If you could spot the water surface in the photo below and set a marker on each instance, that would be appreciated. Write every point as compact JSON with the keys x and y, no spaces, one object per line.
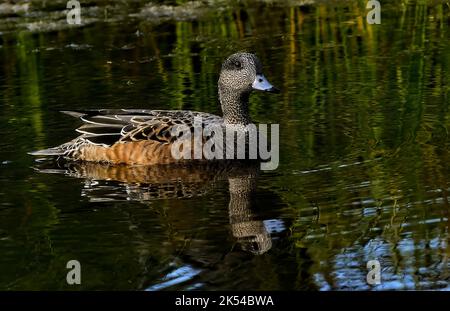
{"x":364,"y":170}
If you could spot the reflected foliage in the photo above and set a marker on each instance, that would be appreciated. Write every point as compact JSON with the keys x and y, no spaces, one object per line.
{"x":364,"y":120}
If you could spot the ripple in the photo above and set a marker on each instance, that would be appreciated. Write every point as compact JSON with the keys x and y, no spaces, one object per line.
{"x":178,"y":276}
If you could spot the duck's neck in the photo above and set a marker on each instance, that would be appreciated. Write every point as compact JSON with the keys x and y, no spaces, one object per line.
{"x":234,"y":106}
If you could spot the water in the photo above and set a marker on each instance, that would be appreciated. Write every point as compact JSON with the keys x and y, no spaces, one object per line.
{"x":364,"y":149}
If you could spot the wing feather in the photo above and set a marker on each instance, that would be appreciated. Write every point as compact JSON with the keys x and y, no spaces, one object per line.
{"x":106,"y":127}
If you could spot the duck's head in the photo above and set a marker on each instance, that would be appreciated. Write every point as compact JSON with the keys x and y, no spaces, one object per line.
{"x":241,"y":74}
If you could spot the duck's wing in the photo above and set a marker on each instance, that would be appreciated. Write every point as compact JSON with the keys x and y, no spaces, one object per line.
{"x":106,"y":127}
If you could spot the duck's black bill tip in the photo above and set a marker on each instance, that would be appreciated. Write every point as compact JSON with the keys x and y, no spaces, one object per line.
{"x":273,"y":90}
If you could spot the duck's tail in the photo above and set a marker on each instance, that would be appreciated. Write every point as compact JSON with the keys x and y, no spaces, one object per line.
{"x":68,"y":149}
{"x":55,"y":151}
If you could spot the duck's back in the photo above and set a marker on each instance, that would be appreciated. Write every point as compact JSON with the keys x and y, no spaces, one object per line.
{"x":128,"y":136}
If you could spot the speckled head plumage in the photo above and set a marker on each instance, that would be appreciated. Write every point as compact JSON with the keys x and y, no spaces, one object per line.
{"x":241,"y":74}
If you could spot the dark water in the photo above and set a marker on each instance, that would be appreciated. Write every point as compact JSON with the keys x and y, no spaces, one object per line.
{"x":364,"y":170}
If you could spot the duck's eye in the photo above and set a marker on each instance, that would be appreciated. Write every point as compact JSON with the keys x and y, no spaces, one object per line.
{"x":237,"y":64}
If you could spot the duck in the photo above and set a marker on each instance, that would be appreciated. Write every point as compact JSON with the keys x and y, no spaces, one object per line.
{"x":146,"y":137}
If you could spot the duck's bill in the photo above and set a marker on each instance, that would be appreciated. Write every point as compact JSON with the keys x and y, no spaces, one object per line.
{"x":262,"y":84}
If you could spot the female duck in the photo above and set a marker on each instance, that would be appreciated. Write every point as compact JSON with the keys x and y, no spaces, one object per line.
{"x":131,"y":136}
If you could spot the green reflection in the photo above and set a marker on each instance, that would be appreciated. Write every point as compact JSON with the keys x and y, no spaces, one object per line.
{"x":364,"y":122}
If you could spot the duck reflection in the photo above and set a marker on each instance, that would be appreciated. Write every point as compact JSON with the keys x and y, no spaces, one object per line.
{"x":103,"y":183}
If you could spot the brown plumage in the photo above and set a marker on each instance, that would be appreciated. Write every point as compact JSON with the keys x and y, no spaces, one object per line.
{"x":139,"y":152}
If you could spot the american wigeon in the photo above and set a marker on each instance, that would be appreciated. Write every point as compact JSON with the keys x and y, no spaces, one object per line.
{"x":144,"y":137}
